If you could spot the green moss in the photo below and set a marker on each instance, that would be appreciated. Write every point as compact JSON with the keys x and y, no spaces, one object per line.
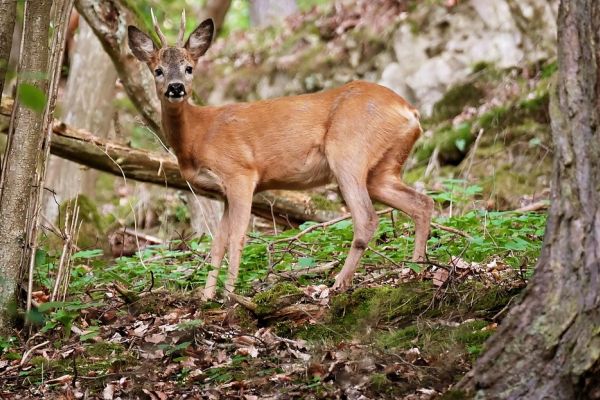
{"x":379,"y":383}
{"x":244,"y":319}
{"x":414,"y":174}
{"x":493,"y":118}
{"x":395,"y":311}
{"x":454,"y":394}
{"x":401,"y":338}
{"x":101,"y":358}
{"x":322,"y":203}
{"x":498,"y":119}
{"x":433,"y":339}
{"x":456,"y":99}
{"x":280,"y":295}
{"x":94,"y":226}
{"x":354,"y":314}
{"x":103,"y":349}
{"x":453,"y":144}
{"x":481,"y":66}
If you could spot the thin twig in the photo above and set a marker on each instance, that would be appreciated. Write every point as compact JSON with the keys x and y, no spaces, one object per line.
{"x":451,"y":230}
{"x":31,"y":350}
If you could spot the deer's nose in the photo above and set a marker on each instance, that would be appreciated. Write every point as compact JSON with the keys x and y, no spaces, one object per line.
{"x":175,"y":90}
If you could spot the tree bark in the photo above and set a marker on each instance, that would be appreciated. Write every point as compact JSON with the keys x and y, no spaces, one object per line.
{"x":217,"y":10}
{"x":161,"y":168}
{"x":205,"y":214}
{"x":267,"y":12}
{"x":549,"y":345}
{"x":8,"y":11}
{"x":109,"y":19}
{"x":87,"y":104}
{"x":22,"y":155}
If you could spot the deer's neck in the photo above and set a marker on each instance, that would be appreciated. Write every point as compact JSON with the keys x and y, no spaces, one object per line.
{"x":175,"y":122}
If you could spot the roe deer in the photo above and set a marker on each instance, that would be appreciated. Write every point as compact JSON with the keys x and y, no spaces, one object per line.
{"x":359,"y":134}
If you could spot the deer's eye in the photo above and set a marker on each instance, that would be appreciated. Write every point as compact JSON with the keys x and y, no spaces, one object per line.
{"x":188,"y":70}
{"x":158,"y":72}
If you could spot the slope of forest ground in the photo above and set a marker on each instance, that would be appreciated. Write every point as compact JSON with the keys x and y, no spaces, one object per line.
{"x":135,"y":326}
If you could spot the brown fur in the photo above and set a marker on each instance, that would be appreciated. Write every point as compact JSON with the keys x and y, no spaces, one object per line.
{"x":359,"y":134}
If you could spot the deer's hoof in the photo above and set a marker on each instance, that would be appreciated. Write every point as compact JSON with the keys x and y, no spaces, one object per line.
{"x":341,"y":285}
{"x":208,"y":295}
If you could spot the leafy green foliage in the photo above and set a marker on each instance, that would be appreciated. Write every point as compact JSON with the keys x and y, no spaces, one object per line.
{"x":513,"y":238}
{"x":32,"y":97}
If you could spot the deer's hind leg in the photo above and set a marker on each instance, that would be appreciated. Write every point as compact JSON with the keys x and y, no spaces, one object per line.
{"x":385,"y":185}
{"x":353,"y":186}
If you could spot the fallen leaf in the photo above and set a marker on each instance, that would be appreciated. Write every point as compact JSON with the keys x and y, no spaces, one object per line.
{"x":412,"y":355}
{"x":440,"y":277}
{"x":155,"y":338}
{"x":109,"y":392}
{"x":248,"y":351}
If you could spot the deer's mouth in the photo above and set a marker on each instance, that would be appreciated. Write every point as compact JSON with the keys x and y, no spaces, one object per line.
{"x":175,"y":99}
{"x":175,"y":93}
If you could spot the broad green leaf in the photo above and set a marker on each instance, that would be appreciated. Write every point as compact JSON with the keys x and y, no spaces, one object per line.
{"x":32,"y":97}
{"x":306,"y":262}
{"x":87,"y":254}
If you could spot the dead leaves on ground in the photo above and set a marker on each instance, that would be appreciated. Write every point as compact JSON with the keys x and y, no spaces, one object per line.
{"x":187,"y":351}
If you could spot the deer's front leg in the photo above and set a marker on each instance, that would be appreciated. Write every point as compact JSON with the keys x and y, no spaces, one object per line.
{"x":217,"y":252}
{"x":239,"y":197}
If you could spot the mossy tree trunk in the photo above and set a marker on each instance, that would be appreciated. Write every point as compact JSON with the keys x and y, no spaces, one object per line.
{"x":217,"y":10}
{"x":87,"y":104}
{"x":549,"y":345}
{"x":22,"y":155}
{"x":109,"y":19}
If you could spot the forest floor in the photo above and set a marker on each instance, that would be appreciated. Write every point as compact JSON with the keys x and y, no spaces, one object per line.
{"x":135,"y":327}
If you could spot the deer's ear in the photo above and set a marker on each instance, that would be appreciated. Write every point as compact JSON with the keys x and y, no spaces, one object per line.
{"x":199,"y":40}
{"x":141,"y":45}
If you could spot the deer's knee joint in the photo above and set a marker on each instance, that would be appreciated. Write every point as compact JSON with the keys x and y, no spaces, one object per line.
{"x":359,"y":244}
{"x":428,"y":201}
{"x":373,"y":222}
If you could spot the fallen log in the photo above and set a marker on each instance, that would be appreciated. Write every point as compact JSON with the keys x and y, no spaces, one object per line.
{"x":141,"y":165}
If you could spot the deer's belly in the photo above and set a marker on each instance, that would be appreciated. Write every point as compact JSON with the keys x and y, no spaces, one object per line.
{"x":291,"y":172}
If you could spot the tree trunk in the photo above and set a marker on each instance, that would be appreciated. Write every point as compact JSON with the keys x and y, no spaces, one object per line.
{"x":109,"y":19}
{"x":549,"y":345}
{"x":22,"y":155}
{"x":8,"y":10}
{"x":217,"y":10}
{"x":205,"y":214}
{"x":87,"y":104}
{"x":267,"y":12}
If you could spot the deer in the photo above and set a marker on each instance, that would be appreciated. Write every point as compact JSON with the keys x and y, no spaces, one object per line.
{"x":359,"y":134}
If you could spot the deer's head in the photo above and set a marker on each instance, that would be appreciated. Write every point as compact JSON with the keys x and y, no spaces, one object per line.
{"x":172,"y":66}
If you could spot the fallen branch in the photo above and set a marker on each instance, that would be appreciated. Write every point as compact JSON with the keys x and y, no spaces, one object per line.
{"x":148,"y":238}
{"x":334,"y":221}
{"x":319,"y":226}
{"x":87,"y":149}
{"x":537,"y":206}
{"x":294,"y":311}
{"x":30,"y":351}
{"x":244,"y":301}
{"x":451,"y":230}
{"x":305,"y":271}
{"x":297,"y":311}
